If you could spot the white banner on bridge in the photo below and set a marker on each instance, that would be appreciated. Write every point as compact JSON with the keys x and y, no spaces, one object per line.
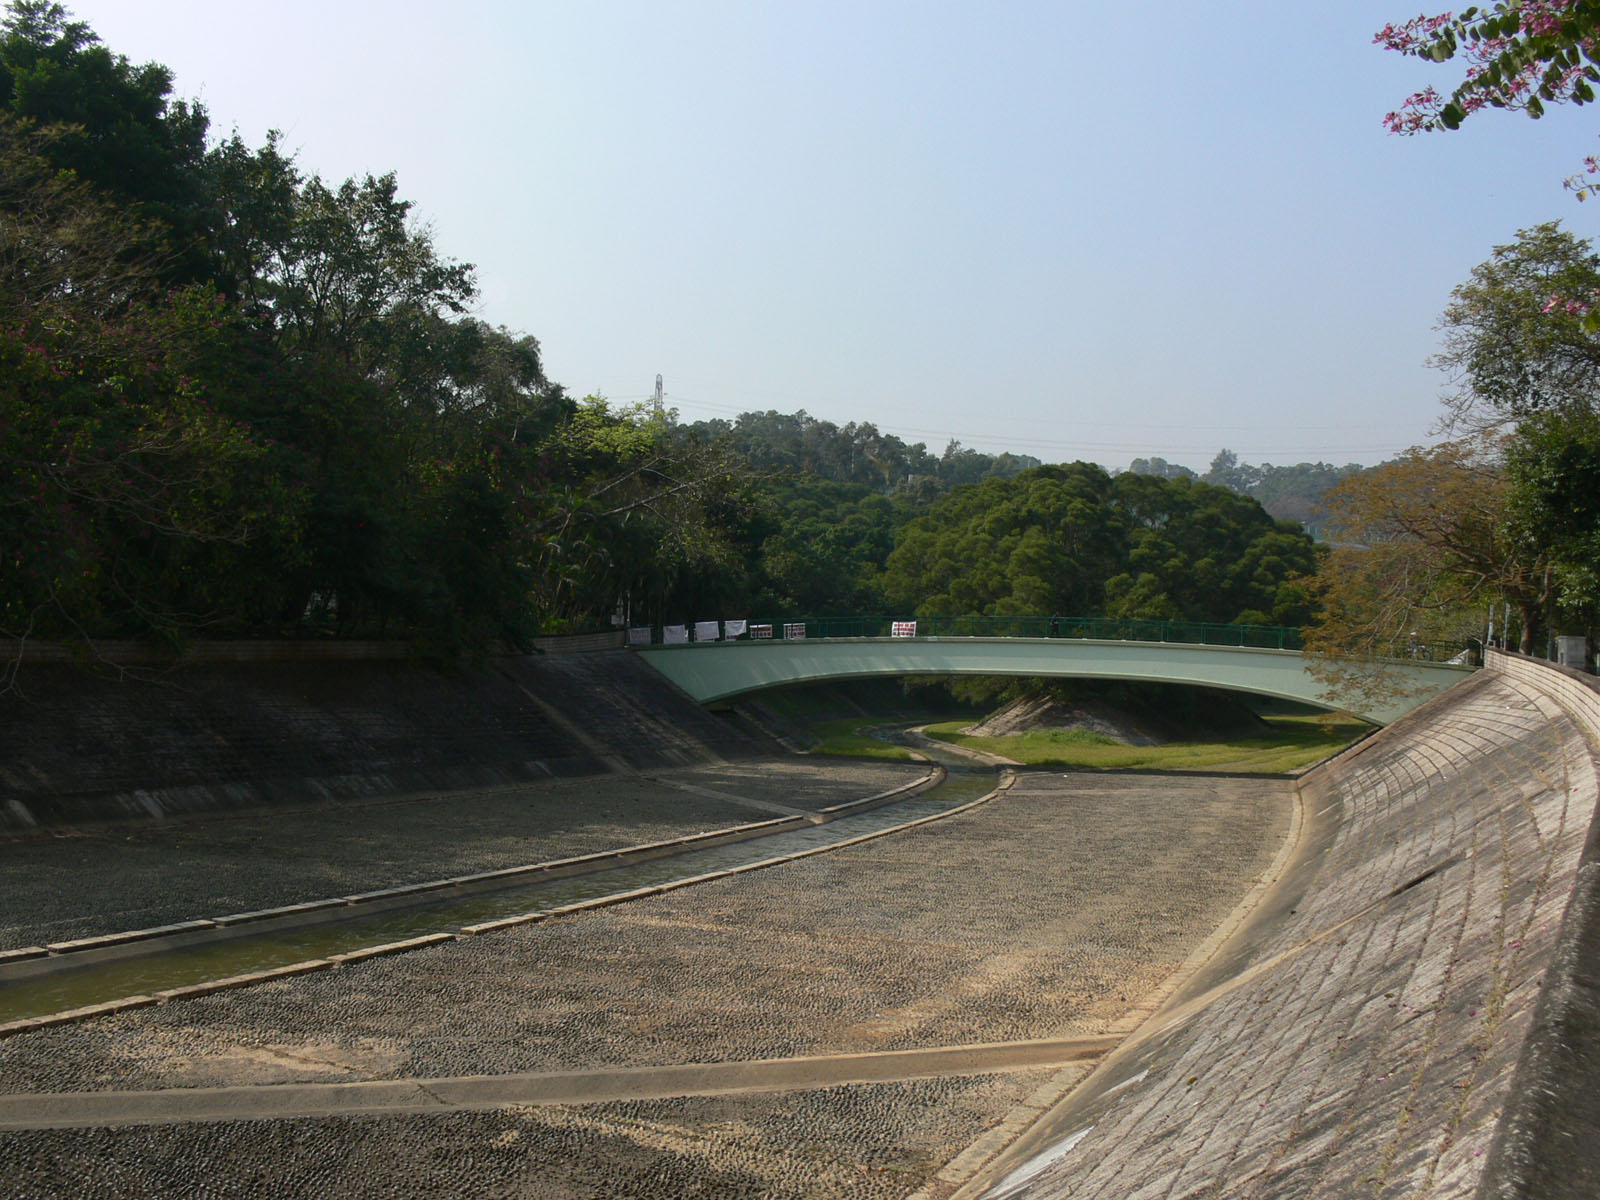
{"x":674,"y":634}
{"x":707,"y":631}
{"x":795,"y":631}
{"x":639,"y":635}
{"x":761,"y":631}
{"x":903,"y":629}
{"x":733,"y":629}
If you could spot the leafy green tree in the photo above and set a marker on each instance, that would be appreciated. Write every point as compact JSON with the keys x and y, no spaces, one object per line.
{"x":855,"y":453}
{"x":1508,"y":349}
{"x":129,"y":497}
{"x":133,"y":495}
{"x":1202,"y":552}
{"x":1553,"y":506}
{"x":63,"y":244}
{"x":1228,"y":472}
{"x":1043,"y":541}
{"x":634,"y":513}
{"x":1161,"y":468}
{"x":114,"y":125}
{"x":959,"y":465}
{"x":826,"y":556}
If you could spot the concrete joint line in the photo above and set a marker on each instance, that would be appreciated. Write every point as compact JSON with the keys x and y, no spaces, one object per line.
{"x":171,"y":1106}
{"x":559,"y":719}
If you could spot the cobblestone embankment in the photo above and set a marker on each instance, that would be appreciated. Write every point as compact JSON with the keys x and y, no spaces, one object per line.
{"x":1369,"y":1037}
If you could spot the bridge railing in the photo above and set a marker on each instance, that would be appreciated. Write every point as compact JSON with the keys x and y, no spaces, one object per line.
{"x":1208,"y":633}
{"x":1099,"y":628}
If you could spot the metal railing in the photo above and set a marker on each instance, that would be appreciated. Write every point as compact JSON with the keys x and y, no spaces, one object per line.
{"x":1118,"y":629}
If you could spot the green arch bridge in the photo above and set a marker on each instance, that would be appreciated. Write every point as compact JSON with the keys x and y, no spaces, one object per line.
{"x":1244,"y":658}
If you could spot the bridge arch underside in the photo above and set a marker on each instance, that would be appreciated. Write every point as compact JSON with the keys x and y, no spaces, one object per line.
{"x":719,"y":671}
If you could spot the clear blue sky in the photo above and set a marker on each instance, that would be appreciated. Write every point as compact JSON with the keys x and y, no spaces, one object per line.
{"x":1072,"y":230}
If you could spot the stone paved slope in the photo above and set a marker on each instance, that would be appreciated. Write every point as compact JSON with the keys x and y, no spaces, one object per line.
{"x":1362,"y":1039}
{"x":76,"y":747}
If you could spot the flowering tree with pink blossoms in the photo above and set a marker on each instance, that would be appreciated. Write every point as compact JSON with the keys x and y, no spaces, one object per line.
{"x":1519,"y":54}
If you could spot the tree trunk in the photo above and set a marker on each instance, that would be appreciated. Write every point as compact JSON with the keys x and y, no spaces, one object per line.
{"x":1525,"y":642}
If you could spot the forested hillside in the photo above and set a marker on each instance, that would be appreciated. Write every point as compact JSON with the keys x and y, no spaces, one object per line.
{"x":1073,"y":539}
{"x":1292,"y":493}
{"x":240,"y":400}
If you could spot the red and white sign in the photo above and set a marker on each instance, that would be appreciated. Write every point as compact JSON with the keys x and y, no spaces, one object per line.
{"x":795,"y":632}
{"x":903,"y":629}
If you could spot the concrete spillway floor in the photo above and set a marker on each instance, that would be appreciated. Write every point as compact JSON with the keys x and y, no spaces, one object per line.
{"x":1045,"y":914}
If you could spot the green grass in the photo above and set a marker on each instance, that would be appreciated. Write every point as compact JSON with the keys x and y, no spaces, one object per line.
{"x":1295,"y":741}
{"x":848,"y":736}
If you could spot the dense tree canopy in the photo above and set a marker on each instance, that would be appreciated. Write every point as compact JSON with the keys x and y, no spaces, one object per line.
{"x":855,"y":453}
{"x":1290,"y":493}
{"x":1552,"y":472}
{"x":1074,"y":540}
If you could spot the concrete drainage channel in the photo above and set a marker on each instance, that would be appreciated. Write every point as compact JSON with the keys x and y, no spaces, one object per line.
{"x":72,"y":981}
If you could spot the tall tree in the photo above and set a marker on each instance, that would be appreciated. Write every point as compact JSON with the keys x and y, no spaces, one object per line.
{"x":63,"y":244}
{"x":1422,"y":548}
{"x":1509,"y":348}
{"x":1553,"y":507}
{"x":115,"y":125}
{"x":1162,"y":468}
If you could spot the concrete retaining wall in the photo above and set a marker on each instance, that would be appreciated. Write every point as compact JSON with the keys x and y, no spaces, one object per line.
{"x":1412,"y":1012}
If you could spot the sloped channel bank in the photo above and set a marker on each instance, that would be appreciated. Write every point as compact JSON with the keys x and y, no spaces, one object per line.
{"x":1412,"y":1013}
{"x":247,"y":726}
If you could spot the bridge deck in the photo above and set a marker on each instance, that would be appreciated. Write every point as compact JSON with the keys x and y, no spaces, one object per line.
{"x":717,"y":670}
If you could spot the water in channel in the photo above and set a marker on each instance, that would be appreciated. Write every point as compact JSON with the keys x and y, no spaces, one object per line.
{"x":101,"y":982}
